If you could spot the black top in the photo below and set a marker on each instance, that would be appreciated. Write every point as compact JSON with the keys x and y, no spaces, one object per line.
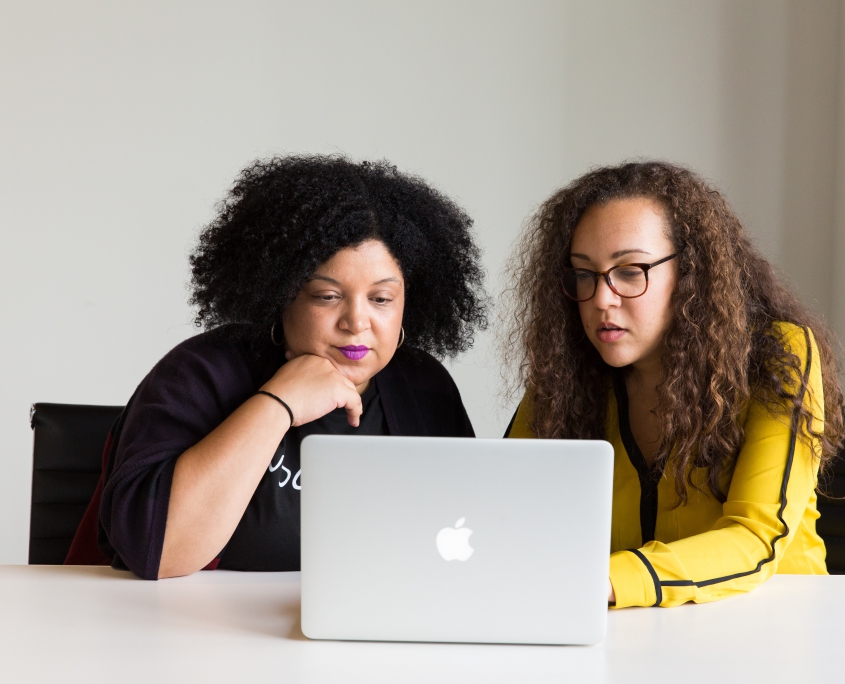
{"x":649,"y":477}
{"x":273,"y":511}
{"x":190,"y":392}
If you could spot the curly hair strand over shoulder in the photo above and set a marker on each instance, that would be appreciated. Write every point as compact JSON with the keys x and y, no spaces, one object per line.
{"x":285,"y":216}
{"x":722,"y":350}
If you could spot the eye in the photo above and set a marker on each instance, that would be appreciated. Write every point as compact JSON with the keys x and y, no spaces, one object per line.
{"x":329,"y":297}
{"x":381,"y":300}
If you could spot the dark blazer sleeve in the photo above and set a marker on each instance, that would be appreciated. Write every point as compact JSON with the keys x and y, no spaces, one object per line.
{"x":186,"y":395}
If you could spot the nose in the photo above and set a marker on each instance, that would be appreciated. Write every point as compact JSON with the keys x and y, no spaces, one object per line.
{"x":605,"y":297}
{"x":355,"y":318}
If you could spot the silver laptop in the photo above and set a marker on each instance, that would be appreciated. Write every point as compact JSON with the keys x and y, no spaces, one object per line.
{"x":451,"y":539}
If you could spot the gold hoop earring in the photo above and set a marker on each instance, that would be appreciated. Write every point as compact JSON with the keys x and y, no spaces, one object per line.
{"x":273,"y":336}
{"x":401,"y":337}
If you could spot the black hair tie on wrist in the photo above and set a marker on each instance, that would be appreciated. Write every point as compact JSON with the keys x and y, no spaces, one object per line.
{"x":287,"y":408}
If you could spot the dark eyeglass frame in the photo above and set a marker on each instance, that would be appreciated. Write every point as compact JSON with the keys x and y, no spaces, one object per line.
{"x":606,"y":275}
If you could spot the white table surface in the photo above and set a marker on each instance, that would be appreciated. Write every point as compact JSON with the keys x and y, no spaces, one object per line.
{"x":69,"y":624}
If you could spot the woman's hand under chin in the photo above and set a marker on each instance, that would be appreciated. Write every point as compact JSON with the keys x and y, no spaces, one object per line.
{"x":313,"y":386}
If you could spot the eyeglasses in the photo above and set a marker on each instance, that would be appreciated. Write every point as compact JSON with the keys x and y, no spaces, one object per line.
{"x":629,"y":280}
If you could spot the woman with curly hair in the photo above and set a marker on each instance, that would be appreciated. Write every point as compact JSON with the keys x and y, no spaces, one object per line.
{"x":644,"y":316}
{"x":325,"y":286}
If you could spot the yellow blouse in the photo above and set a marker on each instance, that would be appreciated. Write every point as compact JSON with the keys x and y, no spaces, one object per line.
{"x":706,"y":550}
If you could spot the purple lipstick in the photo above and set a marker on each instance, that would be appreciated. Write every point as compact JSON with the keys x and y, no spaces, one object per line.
{"x":354,"y":352}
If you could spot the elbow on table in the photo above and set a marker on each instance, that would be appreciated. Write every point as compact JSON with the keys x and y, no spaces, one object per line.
{"x":174,"y":570}
{"x":171,"y":563}
{"x":174,"y":564}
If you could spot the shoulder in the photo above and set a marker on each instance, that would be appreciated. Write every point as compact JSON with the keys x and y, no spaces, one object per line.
{"x":800,"y":341}
{"x":195,"y":386}
{"x":802,"y":374}
{"x":797,"y":339}
{"x":423,"y":371}
{"x":421,"y":396}
{"x":214,"y":368}
{"x":217,"y":353}
{"x":520,"y":427}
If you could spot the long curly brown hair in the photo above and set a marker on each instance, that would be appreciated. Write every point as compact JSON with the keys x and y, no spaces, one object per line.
{"x":721,"y":350}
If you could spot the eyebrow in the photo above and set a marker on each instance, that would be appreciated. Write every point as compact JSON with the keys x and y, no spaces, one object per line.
{"x":615,"y":255}
{"x":391,"y":279}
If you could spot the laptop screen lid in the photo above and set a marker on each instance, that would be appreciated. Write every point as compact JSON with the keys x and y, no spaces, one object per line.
{"x":455,"y":539}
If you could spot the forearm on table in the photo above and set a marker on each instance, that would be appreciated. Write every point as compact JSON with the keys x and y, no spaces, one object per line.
{"x":732,"y":559}
{"x":213,"y":482}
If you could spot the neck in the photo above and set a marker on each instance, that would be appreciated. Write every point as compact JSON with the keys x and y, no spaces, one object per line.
{"x":364,"y":386}
{"x":645,"y":376}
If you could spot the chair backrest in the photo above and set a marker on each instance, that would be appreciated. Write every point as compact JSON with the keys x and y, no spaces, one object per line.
{"x":831,"y":524}
{"x":66,"y":465}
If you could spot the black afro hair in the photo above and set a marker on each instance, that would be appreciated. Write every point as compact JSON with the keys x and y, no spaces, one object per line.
{"x":285,"y":216}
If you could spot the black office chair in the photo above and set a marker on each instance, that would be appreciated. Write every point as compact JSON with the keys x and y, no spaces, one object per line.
{"x":66,"y":465}
{"x":831,"y":524}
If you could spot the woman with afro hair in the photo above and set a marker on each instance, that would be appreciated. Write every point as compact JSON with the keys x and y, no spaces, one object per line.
{"x":325,"y":288}
{"x":644,"y":316}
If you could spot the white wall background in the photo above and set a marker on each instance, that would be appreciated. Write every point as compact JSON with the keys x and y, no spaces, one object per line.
{"x":121,"y":124}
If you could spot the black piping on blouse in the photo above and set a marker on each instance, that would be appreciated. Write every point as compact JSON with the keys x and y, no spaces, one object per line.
{"x":510,"y":425}
{"x":783,"y":487}
{"x":649,"y":478}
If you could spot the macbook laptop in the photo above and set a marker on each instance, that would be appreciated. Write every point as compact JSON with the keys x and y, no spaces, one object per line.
{"x":455,"y":539}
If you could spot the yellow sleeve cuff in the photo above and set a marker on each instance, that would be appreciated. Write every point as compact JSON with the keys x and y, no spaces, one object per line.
{"x":631,"y":580}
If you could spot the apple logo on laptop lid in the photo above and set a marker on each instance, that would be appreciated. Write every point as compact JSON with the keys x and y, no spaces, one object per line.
{"x":453,"y":542}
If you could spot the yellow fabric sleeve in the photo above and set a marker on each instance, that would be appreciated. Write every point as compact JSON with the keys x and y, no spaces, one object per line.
{"x":743,"y":548}
{"x":632,"y":583}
